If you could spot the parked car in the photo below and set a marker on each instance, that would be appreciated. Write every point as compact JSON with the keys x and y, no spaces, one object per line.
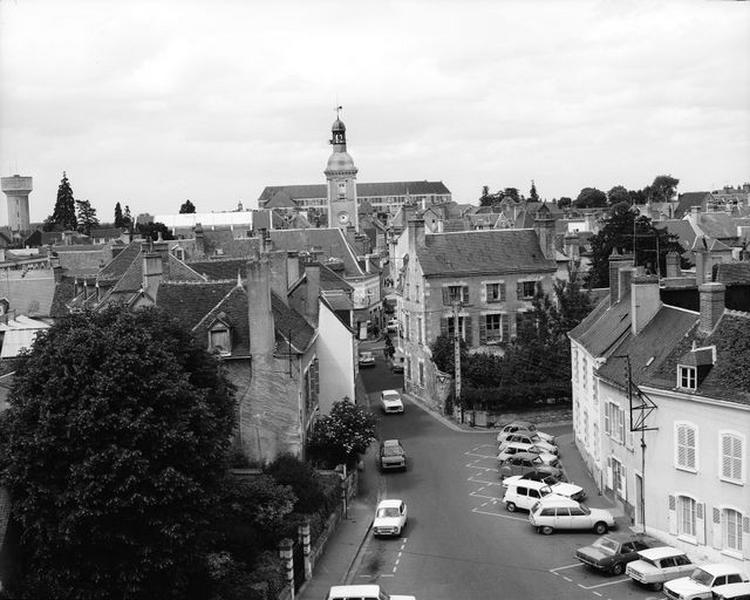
{"x":732,"y":591}
{"x":391,"y":402}
{"x":612,"y":552}
{"x":699,"y":583}
{"x":511,"y":449}
{"x":392,"y":325}
{"x":363,"y":592}
{"x":556,"y":512}
{"x":656,"y":566}
{"x":366,"y":359}
{"x":515,"y":426}
{"x":524,"y":493}
{"x":526,"y":462}
{"x":397,"y":362}
{"x":530,"y":438}
{"x":392,"y":455}
{"x":390,"y":518}
{"x":536,"y":475}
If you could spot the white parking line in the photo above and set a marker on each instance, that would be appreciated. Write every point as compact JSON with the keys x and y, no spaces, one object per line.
{"x":476,"y":495}
{"x":597,"y":594}
{"x":566,"y":567}
{"x":491,"y":514}
{"x":593,"y":587}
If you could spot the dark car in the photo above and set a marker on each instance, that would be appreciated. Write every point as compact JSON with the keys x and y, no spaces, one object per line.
{"x":525,"y":462}
{"x":612,"y":552}
{"x":542,"y":476}
{"x":392,"y":455}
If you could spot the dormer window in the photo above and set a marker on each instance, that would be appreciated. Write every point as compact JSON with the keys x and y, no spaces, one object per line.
{"x":686,"y":377}
{"x":220,"y":337}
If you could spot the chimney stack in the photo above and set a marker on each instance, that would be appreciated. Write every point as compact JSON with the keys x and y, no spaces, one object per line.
{"x":312,"y":274}
{"x":711,"y":305}
{"x":416,"y":234}
{"x":673,"y":264}
{"x":153,"y":270}
{"x":644,"y":301}
{"x":544,"y":225}
{"x":625,"y":276}
{"x":200,"y":241}
{"x":616,"y":261}
{"x":279,"y":274}
{"x":260,"y":311}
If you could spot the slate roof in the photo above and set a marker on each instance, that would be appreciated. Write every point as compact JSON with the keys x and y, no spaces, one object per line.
{"x":494,"y":251}
{"x":291,"y":327}
{"x":232,"y":310}
{"x":331,"y":241}
{"x":681,"y":228}
{"x":280,"y":199}
{"x":64,"y":293}
{"x":687,"y":200}
{"x":733,"y":272}
{"x":190,"y":302}
{"x":364,"y":190}
{"x":719,"y":225}
{"x":332,"y":281}
{"x":31,"y":295}
{"x":603,"y":327}
{"x":116,"y":268}
{"x":220,"y":268}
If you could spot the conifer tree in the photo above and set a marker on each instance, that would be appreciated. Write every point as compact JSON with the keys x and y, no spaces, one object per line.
{"x":87,"y":218}
{"x":533,"y":196}
{"x":118,"y":215}
{"x":64,"y":215}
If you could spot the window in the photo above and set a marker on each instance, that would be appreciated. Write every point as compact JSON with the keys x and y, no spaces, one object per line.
{"x":607,"y":419}
{"x":686,"y":516}
{"x":595,"y":390}
{"x":407,"y":330}
{"x":493,"y":325}
{"x":219,"y":340}
{"x":419,"y":330}
{"x":685,"y":446}
{"x":596,"y":441}
{"x":421,"y":373}
{"x":408,"y":368}
{"x":731,"y":526}
{"x":526,"y":290}
{"x":686,"y":378}
{"x":614,"y":422}
{"x":342,"y":189}
{"x":455,"y":293}
{"x":575,"y":364}
{"x":495,"y":292}
{"x":618,"y":478}
{"x":416,"y":293}
{"x":731,"y":457}
{"x":585,"y":373}
{"x":461,"y":327}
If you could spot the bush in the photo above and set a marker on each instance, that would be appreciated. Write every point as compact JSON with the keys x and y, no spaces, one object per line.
{"x":302,"y":478}
{"x":518,"y":397}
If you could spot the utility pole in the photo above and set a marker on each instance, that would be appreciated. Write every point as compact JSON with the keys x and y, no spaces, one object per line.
{"x":457,"y":356}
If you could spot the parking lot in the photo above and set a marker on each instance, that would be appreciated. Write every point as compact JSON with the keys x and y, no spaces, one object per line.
{"x":556,"y":552}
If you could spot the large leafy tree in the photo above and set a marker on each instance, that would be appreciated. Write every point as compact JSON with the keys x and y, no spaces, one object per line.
{"x":152,"y":230}
{"x":590,"y":197}
{"x":618,"y":194}
{"x":113,"y":450}
{"x":187,"y":207}
{"x":87,"y":218}
{"x":345,"y":433}
{"x":663,"y":188}
{"x":64,"y":215}
{"x":623,"y":226}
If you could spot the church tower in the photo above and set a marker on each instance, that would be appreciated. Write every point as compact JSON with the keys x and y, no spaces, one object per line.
{"x":341,"y":176}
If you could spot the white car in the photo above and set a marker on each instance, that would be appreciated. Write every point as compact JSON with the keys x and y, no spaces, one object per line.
{"x":557,"y":512}
{"x":363,"y":592}
{"x":511,"y":449}
{"x":701,"y":581}
{"x":391,"y":402}
{"x":655,"y":566}
{"x":392,"y":325}
{"x":390,"y":518}
{"x":732,"y":591}
{"x":532,"y":439}
{"x":524,"y":493}
{"x":366,"y":359}
{"x":523,"y":426}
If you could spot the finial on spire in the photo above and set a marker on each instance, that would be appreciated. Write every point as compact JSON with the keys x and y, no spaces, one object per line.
{"x":338,"y":110}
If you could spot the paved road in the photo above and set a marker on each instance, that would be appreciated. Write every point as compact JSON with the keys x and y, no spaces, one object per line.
{"x":460,"y":542}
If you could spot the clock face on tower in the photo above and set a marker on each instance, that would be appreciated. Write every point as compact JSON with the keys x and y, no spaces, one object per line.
{"x":343,"y":217}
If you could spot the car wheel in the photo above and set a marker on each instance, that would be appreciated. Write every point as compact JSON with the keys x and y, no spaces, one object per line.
{"x":398,"y":532}
{"x":510,"y":507}
{"x":546,"y":530}
{"x":617,"y":569}
{"x":600,"y":528}
{"x":657,"y":586}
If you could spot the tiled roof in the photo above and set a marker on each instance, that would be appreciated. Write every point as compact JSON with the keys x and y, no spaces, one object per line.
{"x":31,"y":295}
{"x":232,"y":309}
{"x":733,"y":272}
{"x":493,"y":251}
{"x":649,"y":349}
{"x":117,"y":267}
{"x":364,"y":190}
{"x":681,"y":228}
{"x":280,"y":199}
{"x":290,"y":327}
{"x":454,"y":225}
{"x":332,"y":281}
{"x":221,"y":268}
{"x":190,"y":302}
{"x":604,"y":327}
{"x":717,"y":225}
{"x":687,"y":200}
{"x":330,"y":241}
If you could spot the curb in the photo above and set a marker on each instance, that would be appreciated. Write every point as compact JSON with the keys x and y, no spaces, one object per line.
{"x":356,"y":559}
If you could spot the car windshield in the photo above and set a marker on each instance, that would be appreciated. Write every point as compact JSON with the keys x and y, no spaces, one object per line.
{"x":388,"y":511}
{"x":392,"y":450}
{"x":586,"y":510}
{"x":390,"y":396}
{"x":606,"y":544}
{"x":702,"y":577}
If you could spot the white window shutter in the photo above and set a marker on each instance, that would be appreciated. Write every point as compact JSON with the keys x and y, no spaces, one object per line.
{"x":623,"y":483}
{"x":690,"y":447}
{"x":726,"y":455}
{"x":672,"y":515}
{"x":681,"y":441}
{"x":746,"y":536}
{"x":736,"y":457}
{"x":483,"y":293}
{"x":716,"y":538}
{"x":610,"y":479}
{"x":700,"y":522}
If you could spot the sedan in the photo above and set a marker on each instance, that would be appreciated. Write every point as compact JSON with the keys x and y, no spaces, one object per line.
{"x":610,"y":553}
{"x":392,"y":455}
{"x":391,"y":402}
{"x":515,"y":426}
{"x":511,"y":449}
{"x":556,"y":512}
{"x":656,"y":566}
{"x":526,"y":462}
{"x":366,"y":359}
{"x":390,"y":518}
{"x":531,"y":439}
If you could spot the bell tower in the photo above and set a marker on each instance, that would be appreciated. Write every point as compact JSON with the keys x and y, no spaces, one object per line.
{"x":341,"y":176}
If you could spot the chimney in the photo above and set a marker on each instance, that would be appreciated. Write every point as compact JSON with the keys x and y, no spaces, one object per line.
{"x":711,"y":305}
{"x":616,"y":261}
{"x":57,"y":271}
{"x":702,"y":262}
{"x":153,"y":270}
{"x":572,"y":248}
{"x":279,"y":275}
{"x":673,"y":264}
{"x":644,"y":301}
{"x":260,"y":312}
{"x":312,"y":273}
{"x":625,"y":276}
{"x":416,"y":235}
{"x":292,"y":268}
{"x":544,"y":226}
{"x":200,"y":241}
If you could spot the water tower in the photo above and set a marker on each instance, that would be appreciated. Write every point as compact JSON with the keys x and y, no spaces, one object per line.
{"x":17,"y":189}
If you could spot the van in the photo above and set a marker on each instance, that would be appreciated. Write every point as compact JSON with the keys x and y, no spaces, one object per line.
{"x":524,"y":493}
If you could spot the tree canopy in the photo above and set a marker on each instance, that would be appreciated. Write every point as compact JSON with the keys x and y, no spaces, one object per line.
{"x":533,"y":196}
{"x":118,"y":216}
{"x":187,"y":207}
{"x":152,"y":230}
{"x":618,"y":194}
{"x":113,"y":450}
{"x":342,"y":435}
{"x":87,"y":218}
{"x":590,"y":197}
{"x":663,"y":188}
{"x":63,"y":217}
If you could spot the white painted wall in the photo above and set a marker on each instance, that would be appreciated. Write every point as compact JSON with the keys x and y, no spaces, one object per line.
{"x":337,"y":358}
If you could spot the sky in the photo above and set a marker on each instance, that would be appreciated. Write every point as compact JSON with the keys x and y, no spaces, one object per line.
{"x":152,"y":103}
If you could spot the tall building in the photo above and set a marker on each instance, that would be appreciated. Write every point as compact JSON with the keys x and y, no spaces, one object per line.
{"x":341,"y":178}
{"x":17,"y":190}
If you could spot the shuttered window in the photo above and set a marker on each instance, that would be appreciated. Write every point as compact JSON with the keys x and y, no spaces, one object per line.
{"x":732,"y":529}
{"x":455,"y":293}
{"x":685,"y":446}
{"x":686,"y":509}
{"x":731,"y":457}
{"x":491,"y":328}
{"x":220,"y":340}
{"x":495,"y":292}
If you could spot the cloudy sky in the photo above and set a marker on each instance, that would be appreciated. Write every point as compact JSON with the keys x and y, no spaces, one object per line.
{"x":152,"y":103}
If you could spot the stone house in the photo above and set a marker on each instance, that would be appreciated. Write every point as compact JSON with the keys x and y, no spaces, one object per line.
{"x":487,"y":278}
{"x":688,"y":366}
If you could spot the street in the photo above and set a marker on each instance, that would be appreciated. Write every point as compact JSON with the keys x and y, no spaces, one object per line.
{"x":460,"y":542}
